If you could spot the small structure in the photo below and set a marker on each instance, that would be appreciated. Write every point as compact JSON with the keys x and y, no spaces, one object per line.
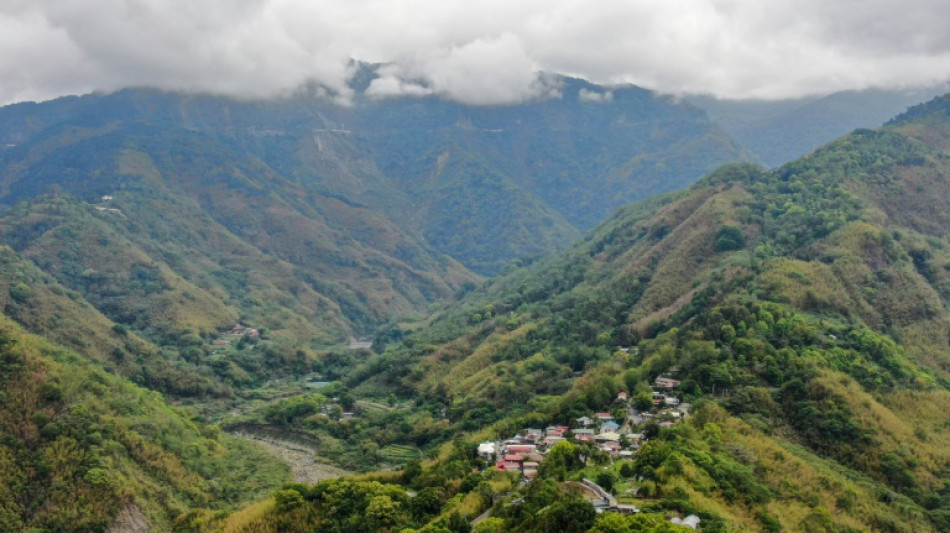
{"x":486,"y":450}
{"x":585,"y":421}
{"x":238,"y":329}
{"x":531,"y":435}
{"x":691,"y":521}
{"x":507,"y":466}
{"x":622,"y":396}
{"x":520,"y":448}
{"x":584,"y":435}
{"x":666,"y":383}
{"x":604,"y":416}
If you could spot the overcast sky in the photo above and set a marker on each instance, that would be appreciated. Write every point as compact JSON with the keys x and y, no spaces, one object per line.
{"x":475,"y":51}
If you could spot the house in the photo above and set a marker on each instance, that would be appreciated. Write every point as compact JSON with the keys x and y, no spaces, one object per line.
{"x":531,"y":435}
{"x":486,"y":450}
{"x":508,"y":466}
{"x":671,"y":401}
{"x":238,"y":329}
{"x":584,"y":435}
{"x":609,"y":426}
{"x":604,"y":416}
{"x":584,"y":421}
{"x":107,"y":198}
{"x":533,"y":458}
{"x":666,"y":383}
{"x":520,"y":448}
{"x":220,"y":342}
{"x":666,"y":424}
{"x":608,"y":437}
{"x":634,"y":438}
{"x":556,"y":431}
{"x":622,"y":396}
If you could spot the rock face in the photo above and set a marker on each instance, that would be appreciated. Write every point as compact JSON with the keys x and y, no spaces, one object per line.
{"x":130,"y":520}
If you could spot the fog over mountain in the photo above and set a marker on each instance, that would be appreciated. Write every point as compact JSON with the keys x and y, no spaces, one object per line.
{"x":484,"y":52}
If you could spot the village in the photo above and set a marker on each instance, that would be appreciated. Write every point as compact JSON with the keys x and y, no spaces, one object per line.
{"x":525,"y":451}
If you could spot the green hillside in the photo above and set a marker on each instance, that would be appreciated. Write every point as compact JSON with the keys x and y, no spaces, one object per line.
{"x":223,"y":253}
{"x":485,"y":185}
{"x":80,"y":447}
{"x":802,"y":309}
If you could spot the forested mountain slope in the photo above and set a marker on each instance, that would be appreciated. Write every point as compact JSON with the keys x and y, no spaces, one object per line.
{"x":80,"y":446}
{"x":482,"y":184}
{"x":177,"y":216}
{"x":803,"y":308}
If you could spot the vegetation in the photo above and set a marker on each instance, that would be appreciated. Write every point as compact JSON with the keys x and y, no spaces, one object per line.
{"x":802,"y":311}
{"x":78,"y":445}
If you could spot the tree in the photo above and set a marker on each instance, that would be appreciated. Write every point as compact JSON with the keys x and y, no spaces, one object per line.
{"x":491,"y":525}
{"x":563,"y":457}
{"x":729,"y":238}
{"x":427,"y":503}
{"x":383,"y":514}
{"x":605,"y":480}
{"x":570,"y":515}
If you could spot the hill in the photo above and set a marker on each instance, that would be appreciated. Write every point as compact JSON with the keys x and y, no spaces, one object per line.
{"x":177,"y":216}
{"x":801,"y":310}
{"x":82,"y":450}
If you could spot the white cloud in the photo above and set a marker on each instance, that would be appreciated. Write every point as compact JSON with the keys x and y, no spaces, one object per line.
{"x":482,"y":52}
{"x":587,"y":95}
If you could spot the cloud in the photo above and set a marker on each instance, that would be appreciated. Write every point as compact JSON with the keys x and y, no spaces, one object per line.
{"x":485,"y":52}
{"x":587,"y":95}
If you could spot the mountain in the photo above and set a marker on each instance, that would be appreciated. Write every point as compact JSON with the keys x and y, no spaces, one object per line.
{"x":484,"y":185}
{"x":801,"y":309}
{"x":176,"y":216}
{"x":84,"y":450}
{"x":779,"y":131}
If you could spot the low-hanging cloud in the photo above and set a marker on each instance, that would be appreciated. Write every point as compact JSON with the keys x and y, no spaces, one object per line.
{"x":486,"y":52}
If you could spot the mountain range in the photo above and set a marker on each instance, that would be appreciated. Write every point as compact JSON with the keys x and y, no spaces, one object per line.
{"x":801,"y":308}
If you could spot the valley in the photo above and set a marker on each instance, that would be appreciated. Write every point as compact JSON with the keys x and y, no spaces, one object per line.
{"x":293,"y":316}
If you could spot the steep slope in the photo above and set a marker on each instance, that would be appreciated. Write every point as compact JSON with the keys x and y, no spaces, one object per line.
{"x":80,"y":447}
{"x":804,"y":307}
{"x":206,"y":213}
{"x":431,"y":172}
